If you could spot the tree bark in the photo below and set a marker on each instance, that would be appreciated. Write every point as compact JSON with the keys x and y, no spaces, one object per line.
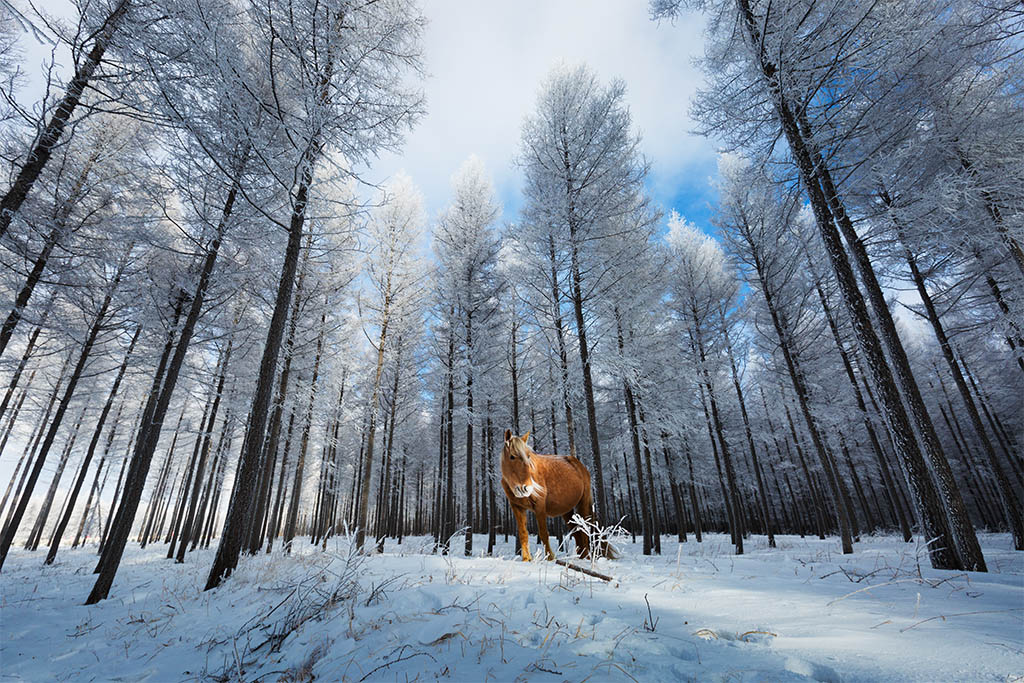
{"x":100,"y":421}
{"x":44,"y":145}
{"x":942,"y":549}
{"x":1011,"y":508}
{"x":154,"y":413}
{"x":240,"y":507}
{"x":12,"y":527}
{"x":763,"y":497}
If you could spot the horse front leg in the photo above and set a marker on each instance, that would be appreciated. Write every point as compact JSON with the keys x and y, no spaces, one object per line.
{"x":521,"y":533}
{"x":542,"y":531}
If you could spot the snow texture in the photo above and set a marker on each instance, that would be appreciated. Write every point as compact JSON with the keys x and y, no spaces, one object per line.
{"x":801,"y":612}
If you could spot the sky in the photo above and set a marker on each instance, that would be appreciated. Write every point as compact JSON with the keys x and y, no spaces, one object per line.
{"x":486,"y":60}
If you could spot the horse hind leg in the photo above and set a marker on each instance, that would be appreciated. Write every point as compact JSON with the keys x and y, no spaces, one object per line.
{"x":585,"y":510}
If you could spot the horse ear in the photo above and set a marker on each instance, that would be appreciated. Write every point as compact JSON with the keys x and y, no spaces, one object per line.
{"x":525,"y":436}
{"x":508,"y":435}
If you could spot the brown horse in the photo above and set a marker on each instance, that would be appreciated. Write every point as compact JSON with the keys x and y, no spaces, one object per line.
{"x":550,"y":486}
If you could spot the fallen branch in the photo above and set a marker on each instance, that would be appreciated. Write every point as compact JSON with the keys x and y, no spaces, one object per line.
{"x":395,"y":661}
{"x":584,"y":570}
{"x":960,"y":614}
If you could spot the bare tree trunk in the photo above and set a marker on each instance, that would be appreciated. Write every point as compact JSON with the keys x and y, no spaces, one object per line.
{"x":727,"y":496}
{"x":634,"y":435}
{"x":448,"y":529}
{"x":364,"y":502}
{"x":677,"y":497}
{"x":192,"y":473}
{"x":24,"y":453}
{"x":652,"y":497}
{"x":90,"y":339}
{"x":556,"y":312}
{"x":588,"y":382}
{"x":97,"y":486}
{"x":943,"y":552}
{"x":697,"y":522}
{"x":189,"y":518}
{"x":16,"y":377}
{"x":44,"y":145}
{"x":154,"y":413}
{"x":1011,"y":508}
{"x":492,"y":516}
{"x":750,"y":442}
{"x":293,"y":511}
{"x":100,"y":421}
{"x":240,"y":508}
{"x":468,"y":550}
{"x":44,"y":511}
{"x":733,"y":499}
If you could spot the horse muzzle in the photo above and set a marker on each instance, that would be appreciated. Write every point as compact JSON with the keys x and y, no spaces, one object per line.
{"x":523,"y":491}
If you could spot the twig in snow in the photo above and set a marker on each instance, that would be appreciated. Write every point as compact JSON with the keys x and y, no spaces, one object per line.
{"x":962,"y":614}
{"x":763,"y":633}
{"x":396,"y":661}
{"x":650,"y":623}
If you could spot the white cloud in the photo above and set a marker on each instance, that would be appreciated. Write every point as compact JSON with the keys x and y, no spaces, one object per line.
{"x":487,"y":59}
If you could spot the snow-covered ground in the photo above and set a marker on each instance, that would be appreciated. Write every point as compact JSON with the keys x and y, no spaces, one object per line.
{"x":799,"y":612}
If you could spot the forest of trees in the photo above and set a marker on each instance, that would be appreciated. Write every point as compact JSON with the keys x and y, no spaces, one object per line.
{"x":217,"y":334}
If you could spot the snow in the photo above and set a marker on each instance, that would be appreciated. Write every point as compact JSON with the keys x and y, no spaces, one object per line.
{"x":799,"y":612}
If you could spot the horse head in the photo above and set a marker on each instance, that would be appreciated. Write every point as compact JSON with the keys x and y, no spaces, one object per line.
{"x":518,"y":468}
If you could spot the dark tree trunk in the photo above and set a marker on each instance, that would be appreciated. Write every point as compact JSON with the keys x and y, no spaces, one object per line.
{"x":165,"y":476}
{"x":448,"y":529}
{"x":100,"y":421}
{"x":491,"y":505}
{"x":192,"y":473}
{"x":300,"y":463}
{"x":716,"y":420}
{"x":588,"y":382}
{"x":240,"y":507}
{"x":556,"y":318}
{"x":514,"y":371}
{"x":79,"y":538}
{"x":468,"y":550}
{"x":12,"y":527}
{"x":24,"y":453}
{"x":154,"y":413}
{"x":1012,"y":512}
{"x":44,"y":145}
{"x":697,"y":522}
{"x":634,"y":435}
{"x":677,"y":498}
{"x":362,"y":517}
{"x":185,"y":535}
{"x":16,"y":377}
{"x":942,"y":552}
{"x":763,"y":497}
{"x":44,"y":511}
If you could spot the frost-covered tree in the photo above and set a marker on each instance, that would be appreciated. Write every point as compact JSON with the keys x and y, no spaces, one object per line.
{"x":466,"y":245}
{"x":394,"y":274}
{"x":584,"y":174}
{"x":798,"y":71}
